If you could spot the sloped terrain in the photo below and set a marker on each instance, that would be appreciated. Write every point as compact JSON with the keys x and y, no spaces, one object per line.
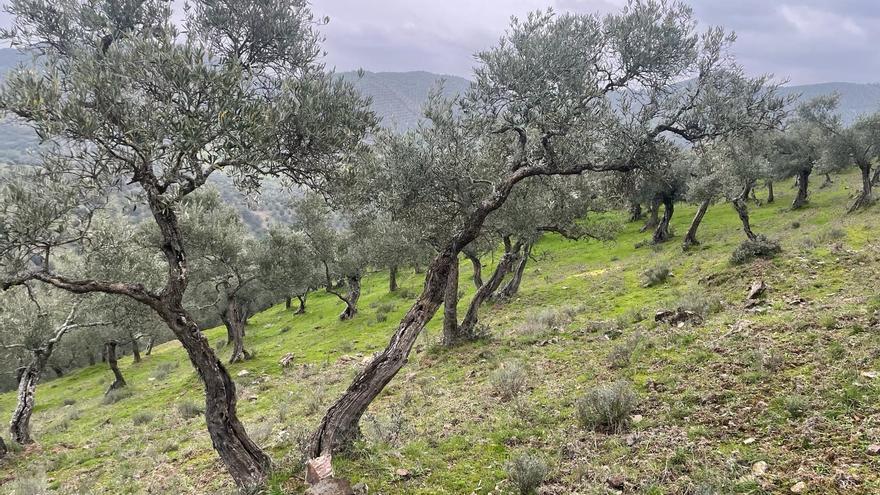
{"x":780,"y":396}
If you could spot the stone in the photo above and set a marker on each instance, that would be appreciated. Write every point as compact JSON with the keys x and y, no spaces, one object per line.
{"x":759,"y":468}
{"x":318,"y":469}
{"x":243,"y":373}
{"x":756,"y":290}
{"x":253,"y":398}
{"x":874,"y":449}
{"x":749,"y":441}
{"x":361,"y":489}
{"x":287,"y":360}
{"x":870,"y":374}
{"x":403,"y":473}
{"x":799,"y":487}
{"x":617,"y":482}
{"x":678,"y":317}
{"x":331,"y":486}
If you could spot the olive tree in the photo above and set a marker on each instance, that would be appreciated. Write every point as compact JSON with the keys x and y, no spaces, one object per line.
{"x":125,"y":99}
{"x":541,"y":104}
{"x":802,"y":146}
{"x":41,"y":321}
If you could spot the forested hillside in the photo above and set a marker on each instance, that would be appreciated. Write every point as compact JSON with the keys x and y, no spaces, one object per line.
{"x":746,"y":397}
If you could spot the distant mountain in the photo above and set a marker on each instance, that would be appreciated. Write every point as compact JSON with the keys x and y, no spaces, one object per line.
{"x":398,"y":96}
{"x":855,"y":99}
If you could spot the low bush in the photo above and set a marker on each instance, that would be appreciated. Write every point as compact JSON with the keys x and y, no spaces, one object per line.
{"x":607,"y":408}
{"x":114,"y":396}
{"x":762,"y":247}
{"x":189,"y":409}
{"x":655,"y":276}
{"x":142,"y":418}
{"x":527,"y":473}
{"x":509,"y":380}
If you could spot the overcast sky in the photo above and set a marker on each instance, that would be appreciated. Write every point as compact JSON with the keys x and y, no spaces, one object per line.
{"x":807,"y":41}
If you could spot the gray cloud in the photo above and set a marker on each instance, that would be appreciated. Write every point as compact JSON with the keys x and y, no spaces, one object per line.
{"x":803,"y":40}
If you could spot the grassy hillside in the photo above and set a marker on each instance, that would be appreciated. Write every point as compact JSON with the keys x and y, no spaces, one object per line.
{"x":792,"y":384}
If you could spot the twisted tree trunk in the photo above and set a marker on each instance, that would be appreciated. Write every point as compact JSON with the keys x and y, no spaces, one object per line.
{"x":234,"y":317}
{"x":20,"y":424}
{"x":477,"y":267}
{"x":351,"y":301}
{"x":150,"y":344}
{"x":690,"y":239}
{"x":653,"y":215}
{"x":135,"y":347}
{"x":827,"y":182}
{"x":302,"y":304}
{"x":739,"y":204}
{"x":803,"y":182}
{"x":3,"y":449}
{"x":118,"y":380}
{"x":392,"y":279}
{"x":876,"y":179}
{"x":450,"y":307}
{"x":662,"y":233}
{"x":287,"y":303}
{"x":866,"y":197}
{"x":59,"y":372}
{"x":511,"y":288}
{"x":468,"y":326}
{"x":770,"y":196}
{"x":635,"y":211}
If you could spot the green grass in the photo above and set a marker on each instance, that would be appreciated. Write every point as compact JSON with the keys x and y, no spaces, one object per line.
{"x":789,"y":376}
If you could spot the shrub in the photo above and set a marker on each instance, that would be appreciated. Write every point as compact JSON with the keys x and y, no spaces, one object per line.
{"x":796,"y":406}
{"x":762,"y":247}
{"x":69,"y":402}
{"x":509,"y":380}
{"x":699,"y":303}
{"x":315,"y":400}
{"x":390,"y":428}
{"x":163,"y":370}
{"x":622,"y":354}
{"x":537,"y":324}
{"x":189,"y":409}
{"x":527,"y":472}
{"x":607,"y":408}
{"x":830,"y":235}
{"x":114,"y":396}
{"x":142,"y":418}
{"x":655,"y":276}
{"x":32,"y":484}
{"x":795,"y":225}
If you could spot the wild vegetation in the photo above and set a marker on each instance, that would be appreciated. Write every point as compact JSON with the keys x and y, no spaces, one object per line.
{"x":593,"y":353}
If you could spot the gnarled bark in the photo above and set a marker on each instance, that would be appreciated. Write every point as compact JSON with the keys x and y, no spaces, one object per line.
{"x":876,"y":179}
{"x":511,"y":288}
{"x":770,"y":196}
{"x":150,"y":344}
{"x":288,"y":303}
{"x":450,"y":307}
{"x":739,"y":204}
{"x":690,"y":238}
{"x":635,"y":211}
{"x":803,"y":183}
{"x":302,"y":303}
{"x":351,"y":300}
{"x":827,"y":182}
{"x":135,"y":347}
{"x":866,"y":196}
{"x":20,"y":424}
{"x":477,"y":267}
{"x":653,"y":215}
{"x":468,"y":326}
{"x":118,"y":379}
{"x":234,"y":317}
{"x":662,"y":232}
{"x":3,"y":449}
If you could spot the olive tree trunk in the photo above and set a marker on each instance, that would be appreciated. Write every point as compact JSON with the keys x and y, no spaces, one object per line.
{"x":742,"y":209}
{"x":511,"y":288}
{"x":288,"y":302}
{"x":450,"y":307}
{"x":20,"y":424}
{"x":468,"y":326}
{"x":351,"y":300}
{"x":690,"y":238}
{"x":770,"y":196}
{"x":803,"y":183}
{"x":392,"y":279}
{"x":662,"y":233}
{"x":876,"y":179}
{"x":302,"y":304}
{"x":118,"y":379}
{"x":635,"y":211}
{"x":653,"y":215}
{"x":477,"y":267}
{"x":135,"y":347}
{"x":866,"y":197}
{"x":150,"y":344}
{"x":234,"y":317}
{"x":3,"y":449}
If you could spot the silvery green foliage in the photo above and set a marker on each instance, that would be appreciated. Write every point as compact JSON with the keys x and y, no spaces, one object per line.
{"x":121,"y":95}
{"x":806,"y":139}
